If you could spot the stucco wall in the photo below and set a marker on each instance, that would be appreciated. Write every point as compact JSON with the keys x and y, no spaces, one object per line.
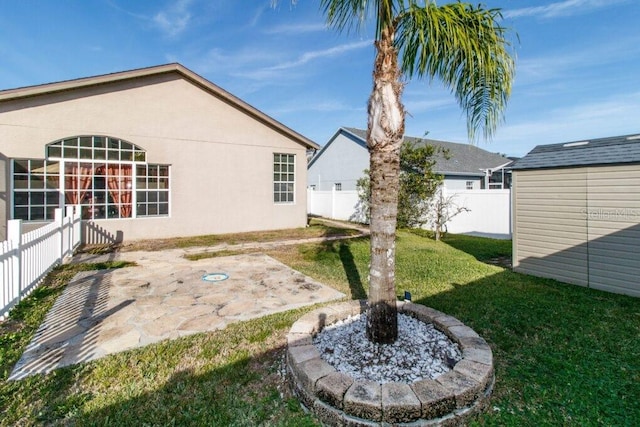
{"x":221,"y":159}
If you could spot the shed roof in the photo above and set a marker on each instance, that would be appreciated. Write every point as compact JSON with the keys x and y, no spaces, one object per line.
{"x":602,"y":151}
{"x":462,"y":159}
{"x":206,"y":85}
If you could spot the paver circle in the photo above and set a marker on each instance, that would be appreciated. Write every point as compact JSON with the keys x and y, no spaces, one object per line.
{"x":337,"y":399}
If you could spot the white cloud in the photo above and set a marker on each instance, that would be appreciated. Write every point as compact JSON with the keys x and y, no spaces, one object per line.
{"x":257,"y":16}
{"x":561,"y":8}
{"x":175,"y":19}
{"x":120,"y":9}
{"x":226,"y":64}
{"x":559,"y":64}
{"x":324,"y":106}
{"x":262,"y":64}
{"x":273,"y":72}
{"x":325,"y":53}
{"x":297,"y":29}
{"x":612,"y":116}
{"x":426,"y":105}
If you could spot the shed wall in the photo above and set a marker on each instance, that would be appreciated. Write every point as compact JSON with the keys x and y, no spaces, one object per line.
{"x":613,"y":216}
{"x":550,"y":232}
{"x":579,"y":225}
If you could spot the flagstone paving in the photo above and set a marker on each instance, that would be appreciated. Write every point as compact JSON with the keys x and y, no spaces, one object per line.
{"x":164,"y":297}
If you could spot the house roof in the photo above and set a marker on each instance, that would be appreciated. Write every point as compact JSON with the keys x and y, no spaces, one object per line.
{"x":602,"y":151}
{"x":206,"y":85}
{"x":461,"y":159}
{"x":342,"y":131}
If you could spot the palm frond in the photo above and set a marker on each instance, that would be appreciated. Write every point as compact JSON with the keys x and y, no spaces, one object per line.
{"x":466,"y":48}
{"x":348,"y":15}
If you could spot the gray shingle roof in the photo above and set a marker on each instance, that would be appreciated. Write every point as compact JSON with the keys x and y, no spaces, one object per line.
{"x":602,"y":151}
{"x":462,"y":159}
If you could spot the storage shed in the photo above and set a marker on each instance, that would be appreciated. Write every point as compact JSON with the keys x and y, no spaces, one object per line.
{"x":576,"y":213}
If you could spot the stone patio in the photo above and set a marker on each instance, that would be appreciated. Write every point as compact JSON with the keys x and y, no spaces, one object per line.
{"x":164,"y":297}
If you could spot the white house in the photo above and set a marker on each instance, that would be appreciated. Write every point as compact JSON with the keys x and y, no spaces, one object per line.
{"x":342,"y":160}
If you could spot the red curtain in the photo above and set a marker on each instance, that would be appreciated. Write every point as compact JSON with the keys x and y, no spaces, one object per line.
{"x":119,"y":185}
{"x":125,"y":194}
{"x":77,"y":181}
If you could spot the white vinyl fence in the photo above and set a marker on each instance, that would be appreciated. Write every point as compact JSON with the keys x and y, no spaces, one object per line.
{"x":25,"y":259}
{"x":489,"y":211}
{"x":343,"y":205}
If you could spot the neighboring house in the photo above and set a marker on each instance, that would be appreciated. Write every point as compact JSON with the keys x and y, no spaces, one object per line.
{"x":576,"y":213}
{"x":149,"y":153}
{"x":342,"y":160}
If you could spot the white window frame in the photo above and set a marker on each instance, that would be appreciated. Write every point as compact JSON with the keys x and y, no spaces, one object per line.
{"x":48,"y":206}
{"x":284,"y":178}
{"x":85,"y":146}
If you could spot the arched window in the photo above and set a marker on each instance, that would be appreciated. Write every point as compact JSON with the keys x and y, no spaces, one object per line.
{"x":95,"y":148}
{"x":107,"y":176}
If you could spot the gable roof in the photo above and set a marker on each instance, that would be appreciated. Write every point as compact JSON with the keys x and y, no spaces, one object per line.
{"x":462,"y":159}
{"x":204,"y":84}
{"x":602,"y":151}
{"x":342,"y":131}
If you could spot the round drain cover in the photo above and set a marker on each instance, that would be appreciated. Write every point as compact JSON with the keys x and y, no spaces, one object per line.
{"x":215,"y":277}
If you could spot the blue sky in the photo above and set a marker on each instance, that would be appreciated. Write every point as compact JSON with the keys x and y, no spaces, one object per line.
{"x":578,"y":62}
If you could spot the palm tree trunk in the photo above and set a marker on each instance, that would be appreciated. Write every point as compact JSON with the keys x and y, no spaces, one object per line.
{"x":385,"y":135}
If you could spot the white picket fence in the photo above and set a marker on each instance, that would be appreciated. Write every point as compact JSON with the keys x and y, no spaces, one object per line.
{"x":25,"y":259}
{"x":489,"y":211}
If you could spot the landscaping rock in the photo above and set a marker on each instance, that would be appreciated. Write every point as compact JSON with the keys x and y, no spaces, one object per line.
{"x":339,"y":399}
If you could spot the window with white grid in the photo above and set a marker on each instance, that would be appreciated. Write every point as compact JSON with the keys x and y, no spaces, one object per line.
{"x":284,"y":180}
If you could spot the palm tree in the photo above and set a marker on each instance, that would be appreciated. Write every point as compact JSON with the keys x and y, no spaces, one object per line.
{"x":460,"y":44}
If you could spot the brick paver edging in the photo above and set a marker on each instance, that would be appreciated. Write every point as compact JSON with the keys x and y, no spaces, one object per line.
{"x":337,"y":399}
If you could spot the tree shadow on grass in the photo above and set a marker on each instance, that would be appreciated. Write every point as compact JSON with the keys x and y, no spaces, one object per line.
{"x":563,"y":354}
{"x":339,"y":254}
{"x":218,"y":379}
{"x":240,"y":393}
{"x":481,"y":248}
{"x":351,"y":270}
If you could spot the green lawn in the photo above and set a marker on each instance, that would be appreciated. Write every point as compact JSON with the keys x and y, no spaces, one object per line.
{"x":564,"y":355}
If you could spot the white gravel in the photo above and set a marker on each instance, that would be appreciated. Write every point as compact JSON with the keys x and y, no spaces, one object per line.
{"x":420,"y":352}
